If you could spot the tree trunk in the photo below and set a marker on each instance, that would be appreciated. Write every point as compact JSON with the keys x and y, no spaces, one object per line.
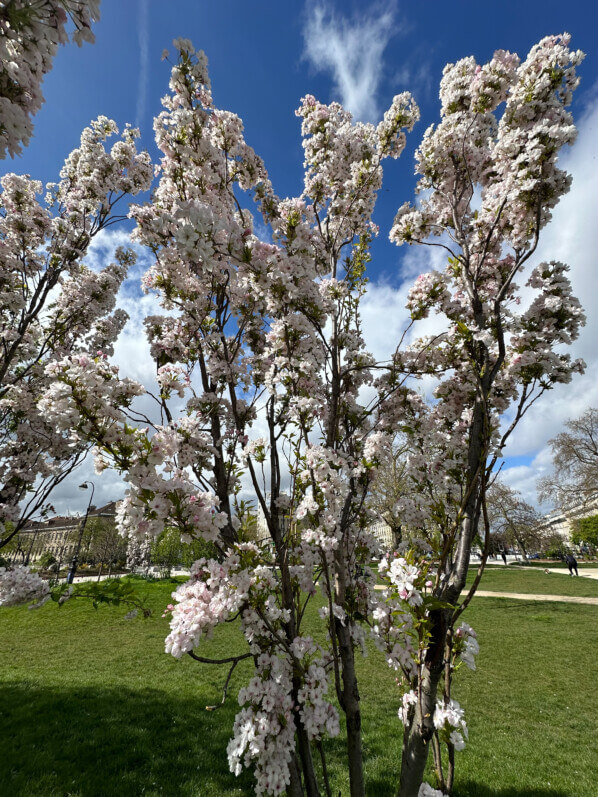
{"x":295,"y":786}
{"x":352,"y":711}
{"x":307,"y":763}
{"x":417,"y":740}
{"x":523,"y":551}
{"x":397,"y":535}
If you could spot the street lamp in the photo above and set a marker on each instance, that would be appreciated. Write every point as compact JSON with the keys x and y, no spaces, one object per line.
{"x":70,"y":577}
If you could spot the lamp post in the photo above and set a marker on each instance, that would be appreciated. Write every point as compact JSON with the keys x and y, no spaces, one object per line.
{"x":73,"y":566}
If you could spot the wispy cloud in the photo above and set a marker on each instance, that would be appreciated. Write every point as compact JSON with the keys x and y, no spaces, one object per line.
{"x":416,"y":77}
{"x":351,"y":51}
{"x":143,"y":37}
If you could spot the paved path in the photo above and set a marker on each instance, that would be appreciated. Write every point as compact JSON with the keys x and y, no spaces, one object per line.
{"x":523,"y":596}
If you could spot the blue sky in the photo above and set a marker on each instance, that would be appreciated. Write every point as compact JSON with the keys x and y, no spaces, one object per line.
{"x":264,"y":56}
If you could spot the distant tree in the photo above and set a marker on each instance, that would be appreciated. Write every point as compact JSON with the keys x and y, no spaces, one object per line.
{"x":46,"y":560}
{"x":554,"y":546}
{"x":15,"y":550}
{"x":391,"y":484}
{"x":105,"y":546}
{"x":585,"y":532}
{"x":167,"y":551}
{"x":197,"y":549}
{"x":496,"y":543}
{"x":248,"y":529}
{"x":515,"y":519}
{"x":575,"y":459}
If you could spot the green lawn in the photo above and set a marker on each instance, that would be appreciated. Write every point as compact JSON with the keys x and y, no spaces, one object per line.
{"x":515,"y":579}
{"x":90,"y":706}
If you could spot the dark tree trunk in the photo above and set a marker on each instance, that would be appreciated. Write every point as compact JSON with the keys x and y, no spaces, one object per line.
{"x":352,"y":710}
{"x":418,"y":736}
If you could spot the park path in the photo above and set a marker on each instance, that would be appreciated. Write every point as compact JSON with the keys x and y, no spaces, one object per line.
{"x":525,"y":596}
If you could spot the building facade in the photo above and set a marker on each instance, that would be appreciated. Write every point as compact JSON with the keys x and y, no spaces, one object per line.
{"x":58,"y":536}
{"x":561,"y":521}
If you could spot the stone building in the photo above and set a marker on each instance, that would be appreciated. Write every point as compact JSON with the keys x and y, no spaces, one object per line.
{"x":383,"y":533}
{"x":561,"y":521}
{"x":58,"y":535}
{"x":262,"y":534}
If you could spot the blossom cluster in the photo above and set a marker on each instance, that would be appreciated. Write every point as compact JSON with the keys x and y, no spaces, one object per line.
{"x":30,"y":34}
{"x":425,"y":790}
{"x":466,"y":645}
{"x":54,"y":306}
{"x":19,"y":585}
{"x":450,"y":723}
{"x":264,"y":730}
{"x":400,"y":616}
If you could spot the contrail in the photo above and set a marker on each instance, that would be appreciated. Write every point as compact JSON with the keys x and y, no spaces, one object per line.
{"x":143,"y":35}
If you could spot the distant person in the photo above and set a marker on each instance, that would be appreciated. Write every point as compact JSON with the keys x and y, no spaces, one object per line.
{"x":503,"y":553}
{"x":571,"y":563}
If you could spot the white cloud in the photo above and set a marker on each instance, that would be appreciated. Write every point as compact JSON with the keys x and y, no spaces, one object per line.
{"x":351,"y":50}
{"x":384,"y":318}
{"x":68,"y":499}
{"x":131,"y":351}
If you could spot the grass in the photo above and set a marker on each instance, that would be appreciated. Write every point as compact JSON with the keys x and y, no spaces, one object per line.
{"x":90,"y":706}
{"x":515,"y":579}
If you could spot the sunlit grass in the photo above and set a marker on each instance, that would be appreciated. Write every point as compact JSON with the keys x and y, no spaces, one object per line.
{"x":90,"y":705}
{"x":515,"y":579}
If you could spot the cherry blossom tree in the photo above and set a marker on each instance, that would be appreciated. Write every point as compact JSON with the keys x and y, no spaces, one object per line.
{"x":489,"y":180}
{"x":262,"y":351}
{"x":263,"y":384}
{"x":30,"y":36}
{"x":54,"y":305}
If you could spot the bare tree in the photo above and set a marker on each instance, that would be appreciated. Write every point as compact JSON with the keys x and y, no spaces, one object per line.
{"x":106,"y":546}
{"x":575,"y":458}
{"x":511,"y":517}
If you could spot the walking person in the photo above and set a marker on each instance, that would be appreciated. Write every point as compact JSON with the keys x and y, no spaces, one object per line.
{"x":571,"y":563}
{"x":503,"y":553}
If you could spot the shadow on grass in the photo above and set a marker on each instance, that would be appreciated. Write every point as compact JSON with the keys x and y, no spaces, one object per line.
{"x":94,"y":742}
{"x":379,"y":787}
{"x":472,"y":789}
{"x":110,"y":742}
